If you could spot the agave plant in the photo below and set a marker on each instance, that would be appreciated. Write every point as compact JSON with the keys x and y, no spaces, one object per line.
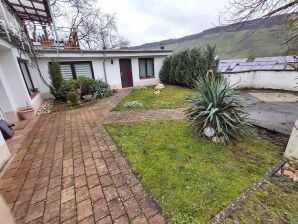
{"x":217,"y":106}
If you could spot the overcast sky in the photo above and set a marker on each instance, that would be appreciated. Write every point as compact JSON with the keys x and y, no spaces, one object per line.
{"x":142,"y":21}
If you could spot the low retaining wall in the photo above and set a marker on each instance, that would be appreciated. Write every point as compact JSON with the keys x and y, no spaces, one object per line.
{"x":284,"y":80}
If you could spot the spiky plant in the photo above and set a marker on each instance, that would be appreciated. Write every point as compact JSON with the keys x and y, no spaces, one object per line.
{"x":217,"y":105}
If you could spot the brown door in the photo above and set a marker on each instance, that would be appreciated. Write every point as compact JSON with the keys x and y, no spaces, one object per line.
{"x":126,"y":73}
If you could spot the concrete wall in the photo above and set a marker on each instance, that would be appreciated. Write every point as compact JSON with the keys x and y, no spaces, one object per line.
{"x":4,"y":152}
{"x":13,"y":90}
{"x":285,"y":80}
{"x":112,"y":70}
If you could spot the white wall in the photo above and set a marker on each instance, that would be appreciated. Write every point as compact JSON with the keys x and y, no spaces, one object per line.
{"x":4,"y":152}
{"x":285,"y":80}
{"x":112,"y":70}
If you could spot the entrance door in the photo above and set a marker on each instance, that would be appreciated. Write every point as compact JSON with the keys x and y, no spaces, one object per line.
{"x":126,"y":72}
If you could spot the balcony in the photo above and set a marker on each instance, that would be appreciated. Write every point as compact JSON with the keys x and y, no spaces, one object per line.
{"x":46,"y":38}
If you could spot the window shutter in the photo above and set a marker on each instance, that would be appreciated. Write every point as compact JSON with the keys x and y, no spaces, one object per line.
{"x":83,"y":69}
{"x":66,"y":71}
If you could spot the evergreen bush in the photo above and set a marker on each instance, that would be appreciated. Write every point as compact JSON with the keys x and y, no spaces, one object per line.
{"x":56,"y":78}
{"x":73,"y":97}
{"x":185,"y":67}
{"x":66,"y":87}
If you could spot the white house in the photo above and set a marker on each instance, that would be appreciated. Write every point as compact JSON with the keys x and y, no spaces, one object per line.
{"x":119,"y":68}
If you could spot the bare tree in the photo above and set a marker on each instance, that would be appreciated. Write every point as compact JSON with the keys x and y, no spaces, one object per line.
{"x":244,"y":10}
{"x":96,"y":30}
{"x":239,"y":11}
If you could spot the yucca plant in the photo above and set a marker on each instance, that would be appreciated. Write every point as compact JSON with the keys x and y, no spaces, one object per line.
{"x":217,"y":105}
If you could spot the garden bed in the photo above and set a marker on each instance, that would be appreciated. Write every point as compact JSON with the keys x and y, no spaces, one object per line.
{"x":170,"y":97}
{"x":192,"y":178}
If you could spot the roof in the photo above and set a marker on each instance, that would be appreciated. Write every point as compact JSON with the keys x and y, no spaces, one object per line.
{"x":278,"y":63}
{"x":33,"y":10}
{"x":68,"y":53}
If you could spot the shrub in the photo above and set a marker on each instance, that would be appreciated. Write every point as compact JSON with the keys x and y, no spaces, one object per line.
{"x":73,"y":97}
{"x":100,"y":89}
{"x":66,"y":87}
{"x":56,"y":78}
{"x":217,"y":106}
{"x":84,"y":84}
{"x":186,"y":66}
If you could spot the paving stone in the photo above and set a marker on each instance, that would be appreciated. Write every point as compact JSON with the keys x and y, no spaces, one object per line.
{"x":96,"y":193}
{"x":132,"y":208}
{"x":54,"y":194}
{"x":55,"y":181}
{"x":106,"y":220}
{"x":82,"y":193}
{"x":84,"y":209}
{"x":148,"y":207}
{"x":80,"y":181}
{"x":100,"y":209}
{"x":122,"y":220}
{"x":68,"y":181}
{"x":157,"y":219}
{"x":141,"y":219}
{"x":106,"y":180}
{"x":89,"y":220}
{"x":116,"y":208}
{"x":68,"y":210}
{"x":67,"y":194}
{"x":110,"y":193}
{"x":20,"y":210}
{"x":51,"y":210}
{"x":93,"y":181}
{"x":39,"y":195}
{"x":124,"y":192}
{"x":35,"y":211}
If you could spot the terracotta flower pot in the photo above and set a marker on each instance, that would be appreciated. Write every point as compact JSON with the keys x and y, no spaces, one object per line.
{"x":26,"y":113}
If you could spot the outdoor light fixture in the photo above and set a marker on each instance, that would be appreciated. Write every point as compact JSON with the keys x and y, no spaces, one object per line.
{"x":112,"y":62}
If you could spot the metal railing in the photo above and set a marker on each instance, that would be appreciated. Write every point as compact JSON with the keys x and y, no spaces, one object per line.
{"x":45,"y":38}
{"x":10,"y":28}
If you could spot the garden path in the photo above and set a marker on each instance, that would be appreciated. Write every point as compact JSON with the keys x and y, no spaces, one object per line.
{"x":69,"y":170}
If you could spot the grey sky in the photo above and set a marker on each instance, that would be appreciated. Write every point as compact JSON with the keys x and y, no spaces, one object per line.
{"x":143,"y":21}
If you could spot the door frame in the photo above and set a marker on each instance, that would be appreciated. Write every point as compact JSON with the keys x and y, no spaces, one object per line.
{"x":126,"y":59}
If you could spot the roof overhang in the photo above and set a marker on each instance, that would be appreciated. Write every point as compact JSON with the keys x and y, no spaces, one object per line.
{"x":31,"y":10}
{"x":52,"y":53}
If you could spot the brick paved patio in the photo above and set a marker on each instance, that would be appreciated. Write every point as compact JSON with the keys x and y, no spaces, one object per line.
{"x":69,"y":171}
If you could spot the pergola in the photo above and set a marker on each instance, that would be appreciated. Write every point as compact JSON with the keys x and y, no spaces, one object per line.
{"x":31,"y":10}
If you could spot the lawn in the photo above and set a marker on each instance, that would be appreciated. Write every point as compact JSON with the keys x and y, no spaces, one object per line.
{"x":192,"y":178}
{"x":274,"y":202}
{"x":170,"y":97}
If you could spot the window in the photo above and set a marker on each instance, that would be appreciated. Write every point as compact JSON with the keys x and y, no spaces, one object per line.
{"x":27,"y":77}
{"x":73,"y":70}
{"x":146,"y":68}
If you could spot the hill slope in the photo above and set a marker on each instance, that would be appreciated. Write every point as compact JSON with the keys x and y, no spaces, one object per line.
{"x":250,"y":39}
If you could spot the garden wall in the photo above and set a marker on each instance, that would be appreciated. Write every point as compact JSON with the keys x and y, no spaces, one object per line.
{"x":284,"y":80}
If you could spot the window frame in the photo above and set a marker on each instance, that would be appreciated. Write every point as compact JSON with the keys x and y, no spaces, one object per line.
{"x":21,"y":60}
{"x":72,"y":67}
{"x":146,"y":75}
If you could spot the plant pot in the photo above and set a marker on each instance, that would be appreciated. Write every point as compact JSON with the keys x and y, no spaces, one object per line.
{"x":26,"y":113}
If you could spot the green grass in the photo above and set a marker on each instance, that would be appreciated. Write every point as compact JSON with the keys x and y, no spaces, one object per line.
{"x":275,"y":202}
{"x":170,"y":97}
{"x":192,"y":178}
